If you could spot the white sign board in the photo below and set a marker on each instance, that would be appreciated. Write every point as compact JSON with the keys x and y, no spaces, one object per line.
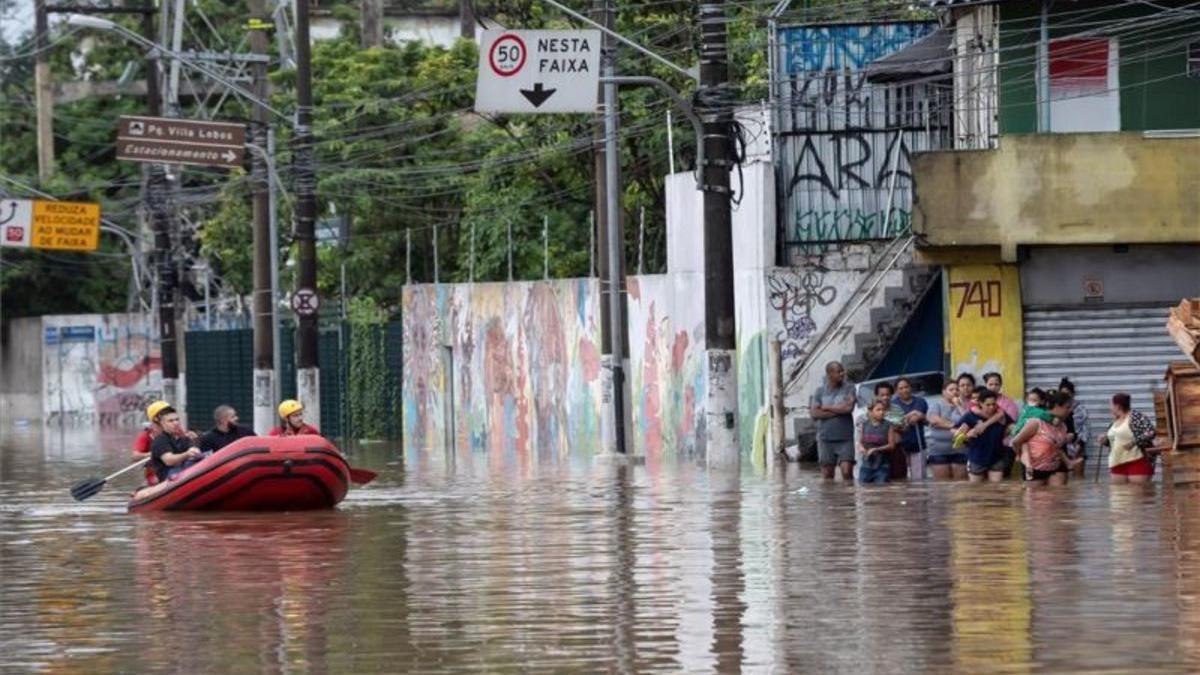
{"x":538,"y":71}
{"x":16,"y":222}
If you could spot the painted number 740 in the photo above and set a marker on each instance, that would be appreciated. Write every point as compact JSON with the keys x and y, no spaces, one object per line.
{"x":985,"y":294}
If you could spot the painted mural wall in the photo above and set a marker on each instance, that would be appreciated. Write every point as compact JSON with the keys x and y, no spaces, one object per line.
{"x":983,"y":304}
{"x":845,"y":142}
{"x":666,"y":355}
{"x":511,"y":370}
{"x":99,"y":369}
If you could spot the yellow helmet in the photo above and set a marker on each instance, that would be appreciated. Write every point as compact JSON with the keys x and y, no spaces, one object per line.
{"x":289,"y":407}
{"x":155,"y":409}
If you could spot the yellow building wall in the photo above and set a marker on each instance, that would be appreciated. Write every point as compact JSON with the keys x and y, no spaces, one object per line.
{"x":1043,"y":189}
{"x":983,"y":310}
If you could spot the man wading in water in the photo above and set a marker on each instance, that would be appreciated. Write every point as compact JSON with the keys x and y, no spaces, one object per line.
{"x":832,"y":406}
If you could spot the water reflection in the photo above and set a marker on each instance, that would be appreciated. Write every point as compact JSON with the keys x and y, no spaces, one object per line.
{"x":498,"y":564}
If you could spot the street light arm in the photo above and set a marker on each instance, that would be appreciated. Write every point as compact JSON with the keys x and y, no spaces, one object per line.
{"x":88,"y":21}
{"x":623,"y":40}
{"x":684,"y":105}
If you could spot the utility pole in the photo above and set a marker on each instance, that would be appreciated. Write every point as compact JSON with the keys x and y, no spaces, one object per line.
{"x":372,"y":23}
{"x":609,"y":240}
{"x":160,"y":218}
{"x":308,"y":382}
{"x":715,"y":103}
{"x":264,"y":297}
{"x":466,"y":19}
{"x":44,"y":94}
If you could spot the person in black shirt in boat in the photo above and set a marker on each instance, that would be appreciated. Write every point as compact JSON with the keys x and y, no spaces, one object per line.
{"x":226,"y":431}
{"x":172,"y":451}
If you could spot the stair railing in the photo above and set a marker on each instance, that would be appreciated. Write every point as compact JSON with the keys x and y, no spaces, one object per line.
{"x":870,"y":282}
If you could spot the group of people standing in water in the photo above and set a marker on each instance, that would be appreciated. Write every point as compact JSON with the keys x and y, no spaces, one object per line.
{"x":170,"y":447}
{"x":972,"y":431}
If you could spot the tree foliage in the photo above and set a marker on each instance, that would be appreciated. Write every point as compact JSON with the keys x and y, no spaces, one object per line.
{"x":400,"y":153}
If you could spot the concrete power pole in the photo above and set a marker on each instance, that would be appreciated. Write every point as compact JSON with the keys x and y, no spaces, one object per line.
{"x":264,"y":297}
{"x":719,"y":325}
{"x":163,"y":224}
{"x":466,"y":19}
{"x":372,"y":23}
{"x":308,"y":379}
{"x":44,"y":95}
{"x":609,"y":241}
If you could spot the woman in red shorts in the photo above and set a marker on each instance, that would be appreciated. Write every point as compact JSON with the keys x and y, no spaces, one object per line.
{"x":1130,"y":431}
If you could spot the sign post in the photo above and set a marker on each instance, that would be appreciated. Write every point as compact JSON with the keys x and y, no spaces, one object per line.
{"x":538,"y":71}
{"x":165,"y":140}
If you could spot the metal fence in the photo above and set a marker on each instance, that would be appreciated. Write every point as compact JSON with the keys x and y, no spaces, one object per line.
{"x":220,"y":366}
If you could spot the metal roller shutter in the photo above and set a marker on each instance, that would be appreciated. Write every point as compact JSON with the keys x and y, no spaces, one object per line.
{"x":1102,"y":350}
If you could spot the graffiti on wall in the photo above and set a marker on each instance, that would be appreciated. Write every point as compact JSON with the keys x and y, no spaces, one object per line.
{"x":100,"y":369}
{"x":794,"y":294}
{"x":510,"y":370}
{"x":845,"y":47}
{"x":667,"y":385}
{"x":847,"y":142}
{"x":846,"y":224}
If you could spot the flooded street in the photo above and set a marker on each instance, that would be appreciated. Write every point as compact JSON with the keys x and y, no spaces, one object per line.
{"x":502,"y":565}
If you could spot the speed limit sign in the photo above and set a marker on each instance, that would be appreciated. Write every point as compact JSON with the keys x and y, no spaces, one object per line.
{"x":507,"y":55}
{"x":538,"y":71}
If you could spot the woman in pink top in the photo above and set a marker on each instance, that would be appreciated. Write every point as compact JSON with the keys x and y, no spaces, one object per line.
{"x":1043,"y":444}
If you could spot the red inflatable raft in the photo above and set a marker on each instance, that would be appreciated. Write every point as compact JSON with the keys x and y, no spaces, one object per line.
{"x":295,"y":473}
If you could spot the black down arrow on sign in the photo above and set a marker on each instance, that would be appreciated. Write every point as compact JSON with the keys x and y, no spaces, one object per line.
{"x":538,"y":95}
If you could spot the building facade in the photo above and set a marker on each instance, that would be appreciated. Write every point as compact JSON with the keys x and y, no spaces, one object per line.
{"x":1066,"y":237}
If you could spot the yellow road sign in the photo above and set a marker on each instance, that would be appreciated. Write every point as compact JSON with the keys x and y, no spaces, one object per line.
{"x":66,"y":226}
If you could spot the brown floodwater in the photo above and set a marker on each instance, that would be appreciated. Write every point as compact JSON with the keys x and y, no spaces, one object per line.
{"x":503,"y":565}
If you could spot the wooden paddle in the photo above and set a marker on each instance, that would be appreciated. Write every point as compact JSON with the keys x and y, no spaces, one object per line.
{"x":361,"y":476}
{"x":90,"y":486}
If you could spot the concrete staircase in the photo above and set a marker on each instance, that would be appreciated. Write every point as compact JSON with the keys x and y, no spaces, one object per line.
{"x":865,"y":327}
{"x":889,"y":318}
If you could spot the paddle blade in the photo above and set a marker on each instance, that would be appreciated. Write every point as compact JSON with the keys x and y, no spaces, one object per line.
{"x":361,"y":476}
{"x":87,"y":488}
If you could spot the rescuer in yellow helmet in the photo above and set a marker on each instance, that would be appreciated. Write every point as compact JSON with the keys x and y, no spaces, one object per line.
{"x":291,"y":415}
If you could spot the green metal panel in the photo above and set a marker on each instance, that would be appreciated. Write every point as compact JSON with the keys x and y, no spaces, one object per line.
{"x":220,"y":369}
{"x":1018,"y":66}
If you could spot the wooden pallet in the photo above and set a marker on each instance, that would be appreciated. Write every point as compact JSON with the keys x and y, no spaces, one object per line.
{"x":1183,"y":324}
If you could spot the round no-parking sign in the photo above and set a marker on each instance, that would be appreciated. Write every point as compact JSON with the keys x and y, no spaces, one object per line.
{"x":305,"y":302}
{"x":507,"y":55}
